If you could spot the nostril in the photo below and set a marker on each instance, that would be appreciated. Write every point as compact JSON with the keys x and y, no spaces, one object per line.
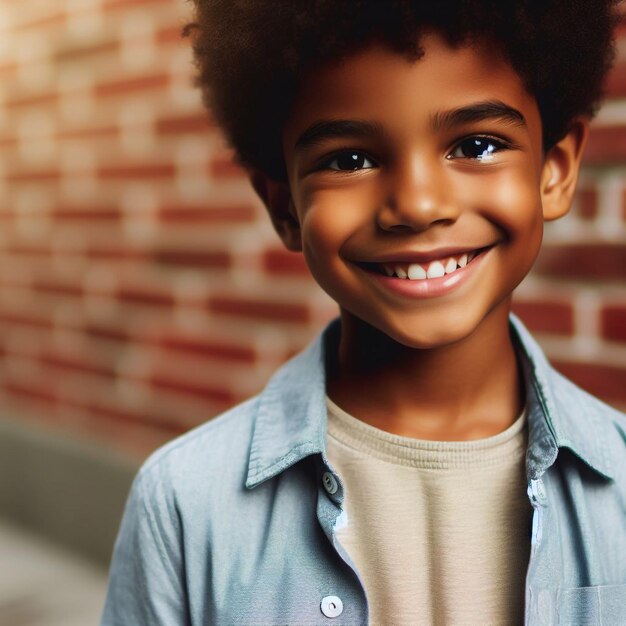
{"x":410,"y":226}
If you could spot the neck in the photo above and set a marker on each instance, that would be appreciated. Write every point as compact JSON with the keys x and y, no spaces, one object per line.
{"x":466,"y":390}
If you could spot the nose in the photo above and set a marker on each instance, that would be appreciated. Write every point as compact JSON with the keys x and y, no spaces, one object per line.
{"x":418,"y":196}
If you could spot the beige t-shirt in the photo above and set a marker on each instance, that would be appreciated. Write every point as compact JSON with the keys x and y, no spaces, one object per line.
{"x":439,"y":531}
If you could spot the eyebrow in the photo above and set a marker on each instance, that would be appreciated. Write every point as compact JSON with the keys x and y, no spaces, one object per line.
{"x":323,"y":130}
{"x":478,"y":112}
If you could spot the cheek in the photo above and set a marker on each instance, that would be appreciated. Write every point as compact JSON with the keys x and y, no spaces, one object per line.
{"x":518,"y":213}
{"x":319,"y":243}
{"x":514,"y":204}
{"x":327,"y":225}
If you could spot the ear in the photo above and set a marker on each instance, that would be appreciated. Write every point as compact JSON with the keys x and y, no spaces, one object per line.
{"x":560,"y":171}
{"x":276,"y":197}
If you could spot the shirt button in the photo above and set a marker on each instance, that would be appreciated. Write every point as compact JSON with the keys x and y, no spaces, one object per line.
{"x":330,"y":484}
{"x":332,"y":606}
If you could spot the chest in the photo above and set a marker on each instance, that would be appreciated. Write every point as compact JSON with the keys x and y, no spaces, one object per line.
{"x":280,"y":558}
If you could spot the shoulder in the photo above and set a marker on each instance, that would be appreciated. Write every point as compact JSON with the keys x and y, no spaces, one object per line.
{"x":190,"y":466}
{"x":579,"y":401}
{"x":176,"y":508}
{"x":593,"y":421}
{"x":582,"y":422}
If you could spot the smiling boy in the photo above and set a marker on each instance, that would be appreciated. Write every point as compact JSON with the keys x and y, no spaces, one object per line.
{"x":420,"y":462}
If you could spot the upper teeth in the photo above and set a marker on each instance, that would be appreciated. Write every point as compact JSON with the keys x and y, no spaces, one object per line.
{"x":434,"y":269}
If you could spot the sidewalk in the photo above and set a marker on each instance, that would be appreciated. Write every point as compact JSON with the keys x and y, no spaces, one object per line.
{"x":43,"y":585}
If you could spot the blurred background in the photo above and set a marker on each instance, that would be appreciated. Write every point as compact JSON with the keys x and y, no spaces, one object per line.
{"x":143,"y":290}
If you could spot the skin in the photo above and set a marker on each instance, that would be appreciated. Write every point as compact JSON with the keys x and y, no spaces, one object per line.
{"x":444,"y":367}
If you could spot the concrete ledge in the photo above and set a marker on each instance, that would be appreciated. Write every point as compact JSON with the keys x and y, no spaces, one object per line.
{"x":69,"y":491}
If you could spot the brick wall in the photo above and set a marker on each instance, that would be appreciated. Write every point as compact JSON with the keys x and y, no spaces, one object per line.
{"x":142,"y":289}
{"x":575,"y":299}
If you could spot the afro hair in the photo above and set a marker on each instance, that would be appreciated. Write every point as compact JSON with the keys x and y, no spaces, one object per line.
{"x":251,"y":55}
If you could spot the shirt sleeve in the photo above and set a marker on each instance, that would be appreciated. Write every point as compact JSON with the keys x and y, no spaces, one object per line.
{"x":146,"y":580}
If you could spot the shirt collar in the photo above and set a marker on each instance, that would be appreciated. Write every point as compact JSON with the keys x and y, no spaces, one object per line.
{"x":560,"y":414}
{"x":290,"y":420}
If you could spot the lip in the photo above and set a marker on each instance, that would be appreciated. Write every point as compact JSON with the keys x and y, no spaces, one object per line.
{"x":414,"y":256}
{"x":430,"y":287}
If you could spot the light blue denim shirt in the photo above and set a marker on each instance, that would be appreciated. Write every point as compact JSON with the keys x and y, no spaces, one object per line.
{"x":232,"y":523}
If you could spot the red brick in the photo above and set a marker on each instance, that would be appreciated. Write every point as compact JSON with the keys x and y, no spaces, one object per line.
{"x":43,"y":251}
{"x":211,"y":349}
{"x":47,"y":99}
{"x":56,"y":19}
{"x":145,"y":296}
{"x":57,"y":288}
{"x":74,"y":363}
{"x":202,"y":391}
{"x":583,"y":262}
{"x":546,"y":317}
{"x":195,"y":123}
{"x":279,"y":261}
{"x":604,"y":381}
{"x":31,"y":250}
{"x":206,"y":215}
{"x":33,"y":176}
{"x":128,"y":86}
{"x":24,"y":319}
{"x":587,"y":200}
{"x":613,"y":322}
{"x":106,"y":332}
{"x":113,"y":252}
{"x":274,"y":311}
{"x":137,"y":170}
{"x":35,"y":390}
{"x":191,"y":258}
{"x":616,"y":81}
{"x":607,"y":144}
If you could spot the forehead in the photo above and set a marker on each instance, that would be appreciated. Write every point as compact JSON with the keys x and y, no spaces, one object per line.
{"x":380,"y":84}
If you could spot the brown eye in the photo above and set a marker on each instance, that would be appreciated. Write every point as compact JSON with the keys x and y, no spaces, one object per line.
{"x":348,"y":161}
{"x":478,"y":148}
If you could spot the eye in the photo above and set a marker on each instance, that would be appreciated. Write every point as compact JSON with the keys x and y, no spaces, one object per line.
{"x":477,"y":148}
{"x":348,"y":160}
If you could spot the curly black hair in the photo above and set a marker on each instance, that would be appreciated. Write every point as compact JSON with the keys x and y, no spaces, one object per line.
{"x":251,"y":54}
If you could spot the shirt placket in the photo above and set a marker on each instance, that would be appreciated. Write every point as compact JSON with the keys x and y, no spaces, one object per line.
{"x":543,"y":573}
{"x":354,"y":609}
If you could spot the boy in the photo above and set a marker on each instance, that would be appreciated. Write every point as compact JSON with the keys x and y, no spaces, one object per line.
{"x":420,"y":462}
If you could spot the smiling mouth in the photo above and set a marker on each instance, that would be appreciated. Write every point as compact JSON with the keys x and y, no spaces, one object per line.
{"x":421,"y":271}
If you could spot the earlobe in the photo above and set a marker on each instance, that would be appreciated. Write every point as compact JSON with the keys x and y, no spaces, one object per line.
{"x":276,"y":197}
{"x":560,"y":171}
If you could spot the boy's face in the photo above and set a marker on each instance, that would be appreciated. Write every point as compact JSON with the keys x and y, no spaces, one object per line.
{"x":445,"y":160}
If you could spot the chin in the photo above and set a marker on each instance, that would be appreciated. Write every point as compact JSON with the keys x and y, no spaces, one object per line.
{"x":423,"y":334}
{"x":421,"y":340}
